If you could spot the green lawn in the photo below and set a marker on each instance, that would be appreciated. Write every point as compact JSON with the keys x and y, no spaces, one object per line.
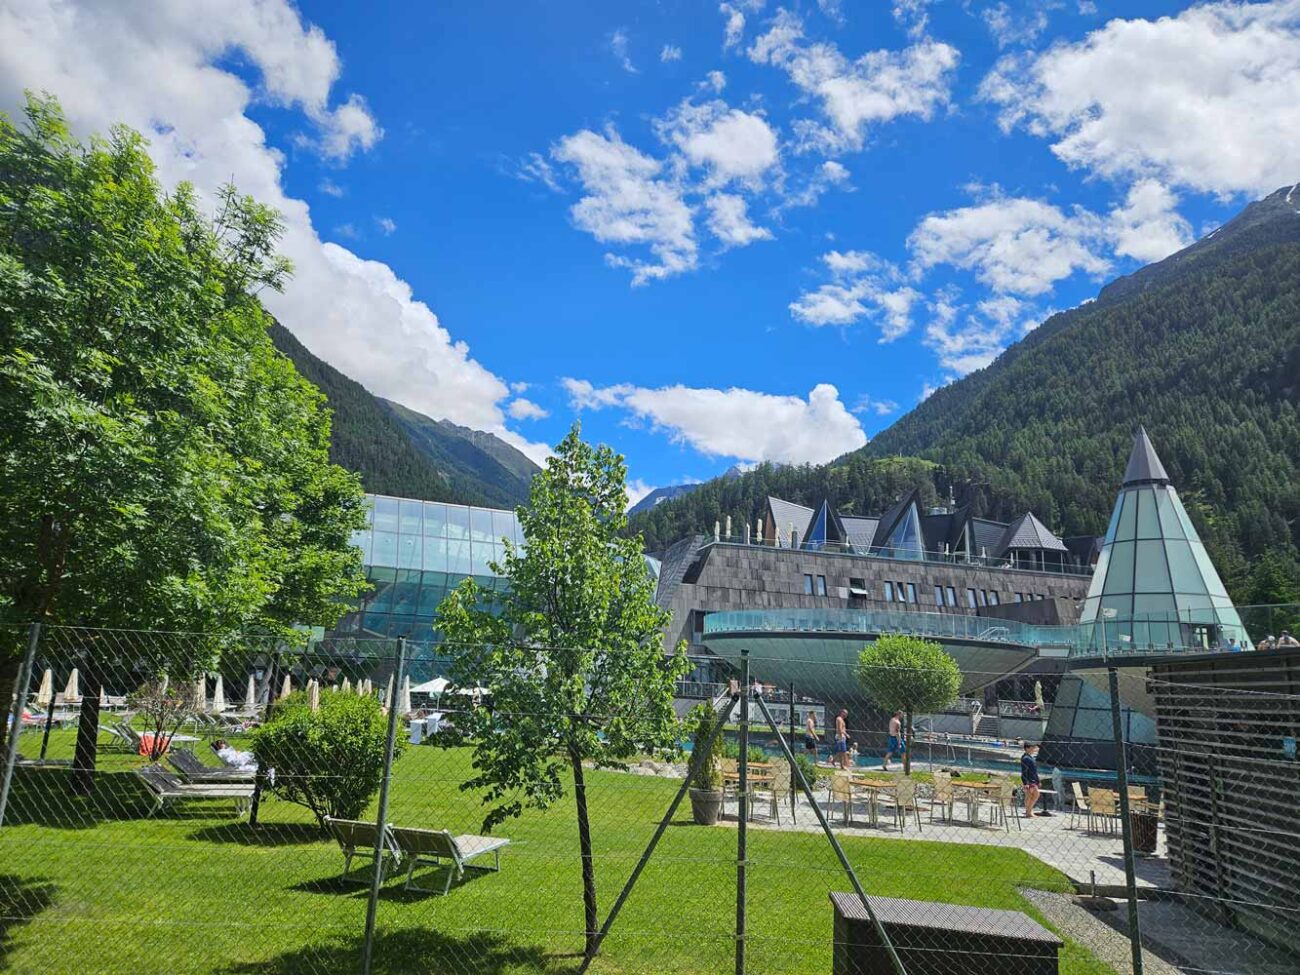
{"x":91,"y":886}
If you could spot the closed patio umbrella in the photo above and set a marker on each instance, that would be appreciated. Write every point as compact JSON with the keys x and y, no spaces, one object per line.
{"x":73,"y":691}
{"x":201,"y":694}
{"x":103,"y":696}
{"x":388,"y":695}
{"x":219,"y":696}
{"x":162,"y":688}
{"x":287,"y":687}
{"x":313,"y":692}
{"x":46,"y":692}
{"x":250,"y":696}
{"x":347,"y":686}
{"x":406,"y":696}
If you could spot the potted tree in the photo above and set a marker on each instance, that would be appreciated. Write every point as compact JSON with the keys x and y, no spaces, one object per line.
{"x":706,"y":780}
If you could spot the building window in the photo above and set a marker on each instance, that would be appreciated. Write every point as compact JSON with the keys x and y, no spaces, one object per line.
{"x":807,"y":585}
{"x":938,"y":595}
{"x":821,"y":585}
{"x":858,"y":588}
{"x":993,"y":598}
{"x":982,"y":597}
{"x":970,"y":599}
{"x":911,"y":592}
{"x":1020,"y":597}
{"x":952,"y":596}
{"x":900,"y":592}
{"x":889,"y":591}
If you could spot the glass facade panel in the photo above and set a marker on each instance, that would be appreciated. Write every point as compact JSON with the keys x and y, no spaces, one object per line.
{"x":411,"y":519}
{"x":1171,"y":526}
{"x":458,"y":557}
{"x":1148,"y":525}
{"x":386,"y":514}
{"x":503,"y":525}
{"x":409,"y":550}
{"x":384,"y":549}
{"x":1183,"y":572}
{"x":905,"y":542}
{"x":1119,"y":572}
{"x":435,"y":520}
{"x":457,"y":521}
{"x":1127,"y":516}
{"x":480,"y":524}
{"x":435,"y":554}
{"x":1151,"y":571}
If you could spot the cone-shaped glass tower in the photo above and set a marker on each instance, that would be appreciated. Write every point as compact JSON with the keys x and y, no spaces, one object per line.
{"x":1155,"y":588}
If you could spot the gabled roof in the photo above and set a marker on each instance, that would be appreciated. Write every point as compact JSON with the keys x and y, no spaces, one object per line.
{"x":986,"y":536}
{"x":1143,"y":463}
{"x":859,"y":531}
{"x":890,"y":519}
{"x":1028,"y":532}
{"x":784,"y":514}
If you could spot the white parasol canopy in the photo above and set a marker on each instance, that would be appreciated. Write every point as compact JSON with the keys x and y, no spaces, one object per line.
{"x":435,"y":686}
{"x":46,"y":692}
{"x":73,"y":691}
{"x":219,"y":696}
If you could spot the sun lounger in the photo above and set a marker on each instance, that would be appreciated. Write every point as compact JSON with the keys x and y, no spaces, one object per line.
{"x":167,"y":788}
{"x":358,"y":838}
{"x":432,"y":846}
{"x":192,"y":769}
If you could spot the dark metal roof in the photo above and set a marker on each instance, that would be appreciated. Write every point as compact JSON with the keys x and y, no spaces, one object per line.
{"x":889,"y":520}
{"x":859,"y":531}
{"x":785,"y":514}
{"x":1028,"y":532}
{"x":1143,"y":463}
{"x":986,"y":536}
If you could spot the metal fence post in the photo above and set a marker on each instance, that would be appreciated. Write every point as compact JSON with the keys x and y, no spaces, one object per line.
{"x":16,"y":725}
{"x":381,"y":830}
{"x":742,"y":808}
{"x":1126,"y":824}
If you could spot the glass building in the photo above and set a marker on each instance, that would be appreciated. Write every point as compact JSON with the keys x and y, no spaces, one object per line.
{"x":415,"y":552}
{"x":1155,"y":587}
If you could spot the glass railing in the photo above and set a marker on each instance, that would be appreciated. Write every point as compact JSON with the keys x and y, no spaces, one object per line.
{"x":910,"y":555}
{"x":952,"y":626}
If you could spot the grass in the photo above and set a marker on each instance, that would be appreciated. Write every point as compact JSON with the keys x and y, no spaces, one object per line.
{"x":93,"y":886}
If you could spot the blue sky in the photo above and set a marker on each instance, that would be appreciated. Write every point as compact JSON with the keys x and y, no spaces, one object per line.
{"x":716,"y":232}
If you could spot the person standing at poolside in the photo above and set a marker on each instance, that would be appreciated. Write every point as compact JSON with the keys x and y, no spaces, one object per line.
{"x":896,"y":743}
{"x":810,"y":735}
{"x":1029,"y":777}
{"x":842,"y":739}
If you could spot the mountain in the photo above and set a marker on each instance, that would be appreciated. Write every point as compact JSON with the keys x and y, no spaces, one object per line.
{"x":660,"y":495}
{"x":403,"y":453}
{"x":1203,"y":348}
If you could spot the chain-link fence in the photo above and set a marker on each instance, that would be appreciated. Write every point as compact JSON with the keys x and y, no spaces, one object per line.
{"x":179,"y":804}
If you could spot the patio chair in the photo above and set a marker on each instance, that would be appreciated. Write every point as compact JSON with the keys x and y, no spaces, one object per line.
{"x":130,"y":736}
{"x":359,"y":838}
{"x":1079,"y":806}
{"x":728,"y":767}
{"x":1103,"y":807}
{"x":1006,"y":805}
{"x":432,"y":846}
{"x":167,"y":789}
{"x":841,"y":790}
{"x":944,"y":796}
{"x":192,"y":769}
{"x":778,"y":790}
{"x":904,"y":803}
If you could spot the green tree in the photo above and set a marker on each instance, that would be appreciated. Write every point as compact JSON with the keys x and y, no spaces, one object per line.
{"x":904,"y":673}
{"x":161,"y":465}
{"x":571,"y":651}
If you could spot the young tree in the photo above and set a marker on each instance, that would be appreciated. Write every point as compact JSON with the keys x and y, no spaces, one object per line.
{"x":165,"y":706}
{"x":571,"y":651}
{"x":904,"y":673}
{"x":161,"y":465}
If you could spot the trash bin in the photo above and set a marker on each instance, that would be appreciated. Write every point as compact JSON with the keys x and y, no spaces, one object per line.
{"x":1143,"y":827}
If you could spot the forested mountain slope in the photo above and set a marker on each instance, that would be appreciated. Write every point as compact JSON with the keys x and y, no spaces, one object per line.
{"x":400,"y":452}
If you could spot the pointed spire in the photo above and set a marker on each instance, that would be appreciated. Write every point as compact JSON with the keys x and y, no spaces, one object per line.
{"x":1144,"y":464}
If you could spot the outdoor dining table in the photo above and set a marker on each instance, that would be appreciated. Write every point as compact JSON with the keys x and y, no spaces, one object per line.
{"x":873,"y":788}
{"x":972,"y":806}
{"x":759,"y":773}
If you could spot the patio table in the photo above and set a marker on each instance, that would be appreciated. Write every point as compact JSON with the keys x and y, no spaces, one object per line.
{"x":972,"y":807}
{"x":873,"y":789}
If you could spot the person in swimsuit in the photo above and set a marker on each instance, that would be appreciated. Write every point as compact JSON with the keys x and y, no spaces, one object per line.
{"x":810,"y":734}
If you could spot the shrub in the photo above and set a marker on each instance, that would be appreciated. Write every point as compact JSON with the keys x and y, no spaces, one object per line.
{"x":330,"y":760}
{"x":809,"y":769}
{"x":731,"y":749}
{"x":704,"y":770}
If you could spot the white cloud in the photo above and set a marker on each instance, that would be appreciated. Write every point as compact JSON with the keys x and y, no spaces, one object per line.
{"x":670,"y":52}
{"x":636,"y":489}
{"x":535,"y":169}
{"x":618,"y":48}
{"x":1009,"y":27}
{"x":912,"y":15}
{"x":330,"y":188}
{"x":730,"y":143}
{"x":864,"y":286}
{"x":854,"y":95}
{"x":729,"y":221}
{"x":1219,"y":97}
{"x":519,"y":387}
{"x":348,"y":231}
{"x":629,"y":202}
{"x":1147,"y":227}
{"x":965,"y":340}
{"x":1013,"y":244}
{"x":347,"y":128}
{"x":525,"y":409}
{"x":158,"y":68}
{"x":715,"y":80}
{"x":734,"y":28}
{"x":387,"y":225}
{"x":739,"y":423}
{"x":880,"y":407}
{"x":833,"y":9}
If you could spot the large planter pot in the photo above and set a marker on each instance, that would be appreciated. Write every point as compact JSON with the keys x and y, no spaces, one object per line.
{"x":706,"y":806}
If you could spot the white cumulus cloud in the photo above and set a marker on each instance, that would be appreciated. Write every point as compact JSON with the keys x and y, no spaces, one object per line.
{"x":729,"y":221}
{"x":729,"y":142}
{"x":526,"y":409}
{"x":740,"y":423}
{"x":854,"y":95}
{"x":1148,"y":227}
{"x":160,"y":68}
{"x":862,"y":286}
{"x":670,"y":52}
{"x":1208,"y":99}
